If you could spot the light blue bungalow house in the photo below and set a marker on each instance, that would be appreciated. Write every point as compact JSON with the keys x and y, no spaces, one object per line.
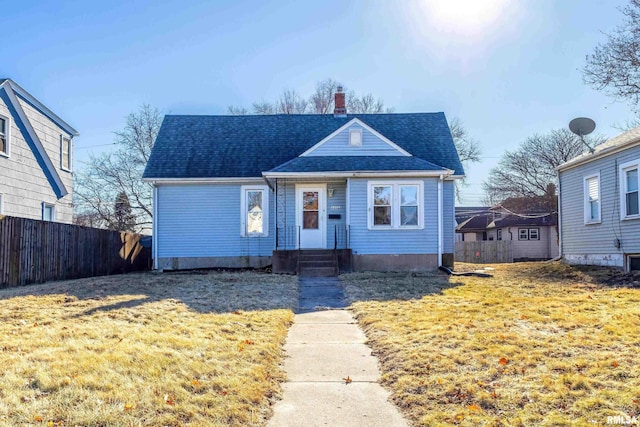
{"x":302,"y":192}
{"x":599,"y":205}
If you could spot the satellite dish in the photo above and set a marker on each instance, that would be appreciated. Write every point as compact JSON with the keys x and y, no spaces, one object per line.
{"x":582,"y":126}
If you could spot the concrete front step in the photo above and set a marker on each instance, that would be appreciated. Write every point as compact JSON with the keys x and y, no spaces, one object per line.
{"x":317,"y":263}
{"x":318,"y":271}
{"x":312,"y":258}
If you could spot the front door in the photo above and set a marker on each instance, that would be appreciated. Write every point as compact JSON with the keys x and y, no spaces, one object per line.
{"x":311,"y":212}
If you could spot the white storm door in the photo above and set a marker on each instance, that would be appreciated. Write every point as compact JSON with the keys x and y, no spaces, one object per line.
{"x":311,"y":212}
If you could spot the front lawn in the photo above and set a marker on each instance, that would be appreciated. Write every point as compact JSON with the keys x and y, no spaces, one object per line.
{"x":537,"y":344}
{"x":144,"y":349}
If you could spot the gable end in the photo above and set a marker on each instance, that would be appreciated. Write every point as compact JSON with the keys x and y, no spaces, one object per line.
{"x":356,"y":138}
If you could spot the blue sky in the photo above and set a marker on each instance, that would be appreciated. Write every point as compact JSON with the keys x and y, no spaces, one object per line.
{"x":507,"y":68}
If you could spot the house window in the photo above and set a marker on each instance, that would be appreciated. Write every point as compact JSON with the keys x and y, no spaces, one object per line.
{"x":499,"y":234}
{"x":382,"y":205}
{"x":408,"y":205}
{"x":65,"y":153}
{"x":4,"y":136}
{"x":592,"y":199}
{"x":395,"y":205}
{"x":255,"y":211}
{"x":355,"y":137}
{"x":48,"y":212}
{"x":634,"y":263}
{"x":629,"y":190}
{"x":528,"y":234}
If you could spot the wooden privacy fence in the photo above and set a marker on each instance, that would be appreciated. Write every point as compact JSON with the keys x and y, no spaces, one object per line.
{"x":484,"y":252}
{"x":33,"y":251}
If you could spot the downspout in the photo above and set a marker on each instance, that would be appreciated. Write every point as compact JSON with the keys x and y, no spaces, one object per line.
{"x":559,"y":225}
{"x":440,"y":226}
{"x":154,"y":228}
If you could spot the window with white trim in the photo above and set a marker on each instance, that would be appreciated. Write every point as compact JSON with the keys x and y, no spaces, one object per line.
{"x":355,"y":137}
{"x":4,"y":136}
{"x":629,"y":184}
{"x":65,"y":153}
{"x":48,"y":212}
{"x":592,"y":199}
{"x":254,"y":210}
{"x":395,"y":205}
{"x":528,"y":234}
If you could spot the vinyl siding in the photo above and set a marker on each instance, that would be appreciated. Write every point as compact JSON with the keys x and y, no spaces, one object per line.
{"x":448,"y":217}
{"x":339,"y":146}
{"x":365,"y":241}
{"x":23,"y":183}
{"x":335,"y":205}
{"x":204,"y":221}
{"x":597,"y":239}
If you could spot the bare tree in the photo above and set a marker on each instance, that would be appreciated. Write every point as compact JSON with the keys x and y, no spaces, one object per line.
{"x":365,"y":104}
{"x":529,"y":171}
{"x":322,"y":100}
{"x":468,"y":148}
{"x":290,"y":102}
{"x":233,"y":110}
{"x":263,"y":107}
{"x":614,"y":67}
{"x":107,"y":175}
{"x":89,"y":219}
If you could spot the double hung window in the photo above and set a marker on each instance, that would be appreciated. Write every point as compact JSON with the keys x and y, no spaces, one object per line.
{"x":528,"y":234}
{"x":4,"y":136}
{"x":629,"y":185}
{"x":592,"y":199}
{"x":395,"y":205}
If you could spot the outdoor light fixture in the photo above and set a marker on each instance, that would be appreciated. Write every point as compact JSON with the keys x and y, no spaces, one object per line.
{"x":330,"y":191}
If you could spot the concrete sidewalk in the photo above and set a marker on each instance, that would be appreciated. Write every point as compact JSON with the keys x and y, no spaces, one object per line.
{"x":323,"y":349}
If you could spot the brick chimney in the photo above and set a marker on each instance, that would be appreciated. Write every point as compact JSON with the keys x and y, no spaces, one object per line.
{"x":340,"y":109}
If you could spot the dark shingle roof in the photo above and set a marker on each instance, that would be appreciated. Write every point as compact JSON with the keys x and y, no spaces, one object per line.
{"x":522,"y":221}
{"x":475,"y":223}
{"x":246,"y":146}
{"x":356,"y":163}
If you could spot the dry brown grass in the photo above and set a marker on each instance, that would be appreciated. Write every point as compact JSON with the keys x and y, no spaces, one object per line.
{"x":537,"y":344}
{"x":144,"y":350}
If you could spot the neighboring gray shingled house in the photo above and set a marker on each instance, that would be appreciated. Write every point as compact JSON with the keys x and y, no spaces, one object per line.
{"x":36,"y":158}
{"x":599,"y":206}
{"x":236,"y":191}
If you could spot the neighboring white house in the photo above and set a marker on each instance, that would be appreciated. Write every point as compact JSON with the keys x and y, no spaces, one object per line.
{"x":36,"y":158}
{"x":599,"y":212}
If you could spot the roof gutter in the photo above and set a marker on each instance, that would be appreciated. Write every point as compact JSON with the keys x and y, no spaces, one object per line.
{"x":359,"y":174}
{"x":599,"y":153}
{"x":159,"y":181}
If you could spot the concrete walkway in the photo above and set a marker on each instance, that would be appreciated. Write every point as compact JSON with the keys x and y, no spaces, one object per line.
{"x":324,"y":347}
